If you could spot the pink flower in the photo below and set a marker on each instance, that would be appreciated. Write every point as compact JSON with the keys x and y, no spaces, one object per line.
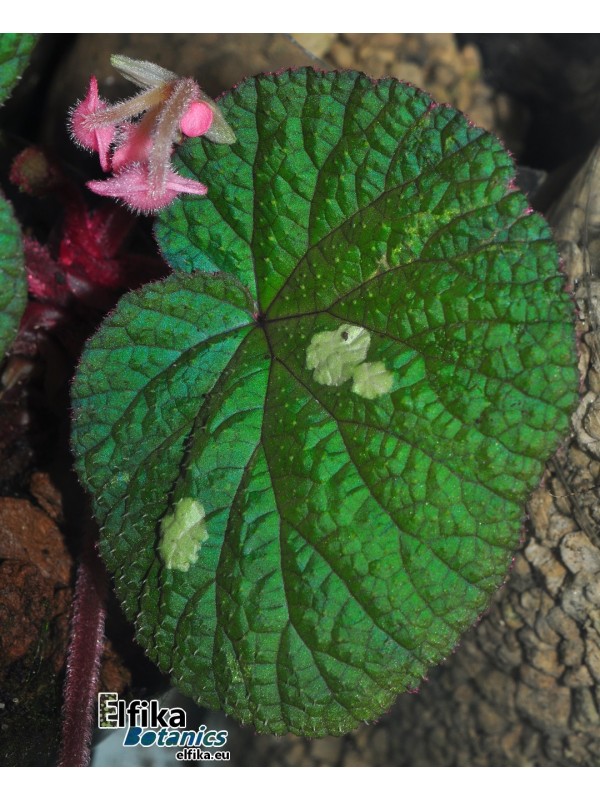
{"x":97,"y":138}
{"x":135,"y":138}
{"x":134,"y":186}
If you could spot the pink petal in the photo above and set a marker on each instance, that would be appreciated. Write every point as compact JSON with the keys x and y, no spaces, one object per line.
{"x":197,"y":119}
{"x":185,"y":185}
{"x":135,"y":146}
{"x":104,"y":137}
{"x":97,"y":139}
{"x":132,"y":185}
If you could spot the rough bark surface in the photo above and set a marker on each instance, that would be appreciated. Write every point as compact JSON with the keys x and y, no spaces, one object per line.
{"x":523,"y":688}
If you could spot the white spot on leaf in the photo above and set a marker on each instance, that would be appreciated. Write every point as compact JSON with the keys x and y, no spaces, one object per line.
{"x":336,"y":356}
{"x":371,"y":380}
{"x":182,"y":532}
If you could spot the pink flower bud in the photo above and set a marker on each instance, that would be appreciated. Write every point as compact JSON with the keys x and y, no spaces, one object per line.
{"x":197,"y":119}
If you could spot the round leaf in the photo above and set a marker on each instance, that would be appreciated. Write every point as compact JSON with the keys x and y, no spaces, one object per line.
{"x":311,"y":474}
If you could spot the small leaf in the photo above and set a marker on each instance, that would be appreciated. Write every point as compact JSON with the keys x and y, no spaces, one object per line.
{"x":311,"y":473}
{"x":15,"y":50}
{"x":13,"y":282}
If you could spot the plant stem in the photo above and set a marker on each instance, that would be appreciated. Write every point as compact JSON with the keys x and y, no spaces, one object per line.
{"x":83,"y":659}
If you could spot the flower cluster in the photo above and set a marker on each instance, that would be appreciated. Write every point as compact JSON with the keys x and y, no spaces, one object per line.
{"x":135,"y":138}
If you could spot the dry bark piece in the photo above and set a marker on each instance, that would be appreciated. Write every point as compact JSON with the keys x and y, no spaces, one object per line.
{"x":47,"y":495}
{"x":26,"y":605}
{"x":30,"y":536}
{"x":36,"y":596}
{"x":317,"y":44}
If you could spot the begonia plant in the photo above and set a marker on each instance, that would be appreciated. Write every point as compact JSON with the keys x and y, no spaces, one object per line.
{"x":309,"y":448}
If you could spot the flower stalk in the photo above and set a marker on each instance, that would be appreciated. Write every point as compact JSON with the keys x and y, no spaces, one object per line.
{"x":83,"y":662}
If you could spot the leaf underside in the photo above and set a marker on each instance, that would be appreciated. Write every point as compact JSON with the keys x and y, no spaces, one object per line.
{"x":13,"y":282}
{"x":15,"y":50}
{"x":362,"y":496}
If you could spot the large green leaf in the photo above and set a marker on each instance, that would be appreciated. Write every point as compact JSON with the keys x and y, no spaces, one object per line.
{"x":15,"y":50}
{"x":13,"y":283}
{"x":311,"y":476}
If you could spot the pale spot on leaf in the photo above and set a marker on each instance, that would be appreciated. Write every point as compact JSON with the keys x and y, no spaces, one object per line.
{"x":334,"y":355}
{"x":372,"y":380}
{"x":182,"y":533}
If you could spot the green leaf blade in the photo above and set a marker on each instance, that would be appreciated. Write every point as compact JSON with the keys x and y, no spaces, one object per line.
{"x":15,"y":51}
{"x":360,"y":437}
{"x":13,"y":281}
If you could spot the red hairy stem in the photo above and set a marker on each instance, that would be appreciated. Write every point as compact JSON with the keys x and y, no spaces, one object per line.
{"x":83,"y":660}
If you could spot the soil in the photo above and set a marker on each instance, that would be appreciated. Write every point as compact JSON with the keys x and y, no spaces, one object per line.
{"x":524,"y":686}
